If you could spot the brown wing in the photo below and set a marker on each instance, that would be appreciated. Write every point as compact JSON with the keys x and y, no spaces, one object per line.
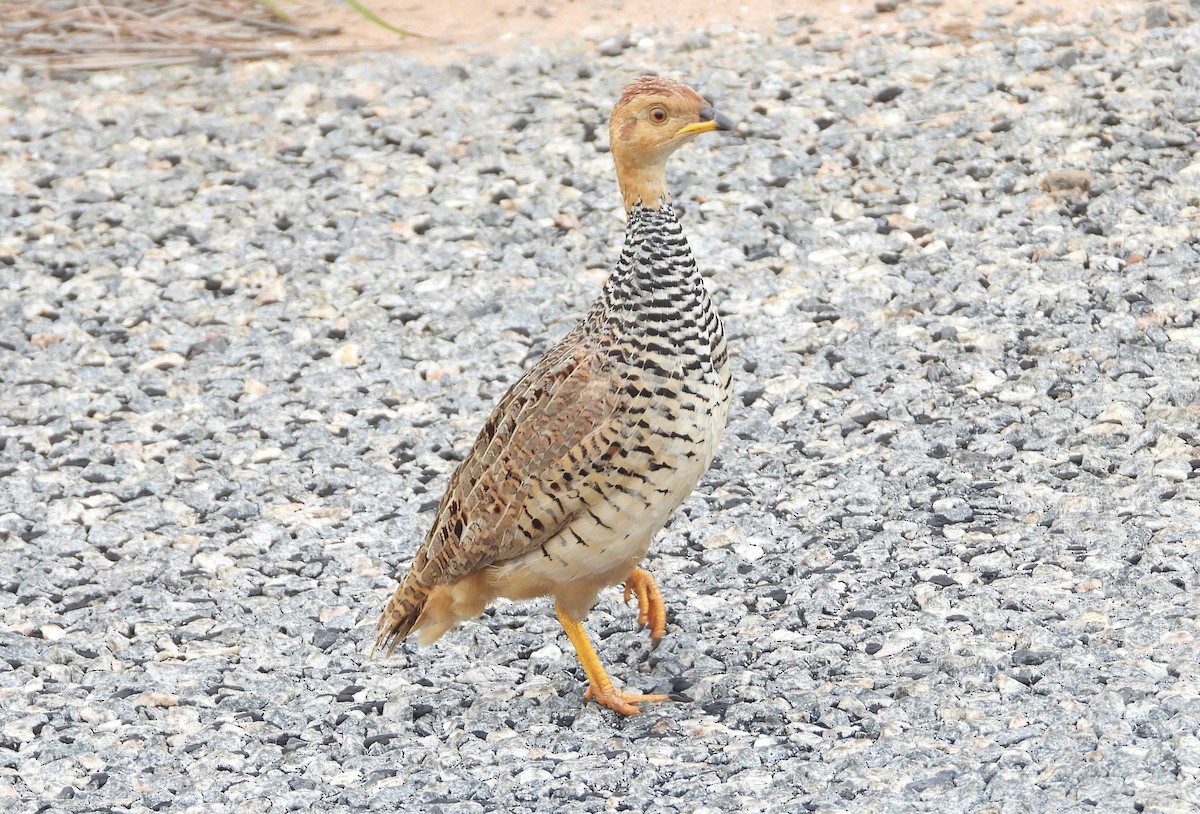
{"x":557,"y":426}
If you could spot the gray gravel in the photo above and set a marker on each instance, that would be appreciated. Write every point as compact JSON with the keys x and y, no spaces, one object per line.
{"x":947,"y":557}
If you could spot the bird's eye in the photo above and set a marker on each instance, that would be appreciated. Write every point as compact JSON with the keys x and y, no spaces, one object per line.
{"x":658,"y":115}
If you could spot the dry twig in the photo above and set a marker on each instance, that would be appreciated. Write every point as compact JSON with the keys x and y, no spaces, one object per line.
{"x":102,"y":34}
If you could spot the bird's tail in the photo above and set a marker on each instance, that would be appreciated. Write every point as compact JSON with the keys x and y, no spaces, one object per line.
{"x":400,"y":615}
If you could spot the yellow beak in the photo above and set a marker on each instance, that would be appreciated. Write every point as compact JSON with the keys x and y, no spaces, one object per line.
{"x":709,"y":120}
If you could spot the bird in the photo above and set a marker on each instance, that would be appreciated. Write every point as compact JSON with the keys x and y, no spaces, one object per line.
{"x":587,"y":455}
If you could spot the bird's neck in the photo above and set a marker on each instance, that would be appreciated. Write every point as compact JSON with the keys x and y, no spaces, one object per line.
{"x":644,"y":186}
{"x":656,"y":269}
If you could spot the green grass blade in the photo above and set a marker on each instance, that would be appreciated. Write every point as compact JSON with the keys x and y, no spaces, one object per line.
{"x":372,"y":17}
{"x":273,"y":7}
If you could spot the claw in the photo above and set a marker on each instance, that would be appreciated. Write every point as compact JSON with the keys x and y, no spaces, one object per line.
{"x":626,"y":703}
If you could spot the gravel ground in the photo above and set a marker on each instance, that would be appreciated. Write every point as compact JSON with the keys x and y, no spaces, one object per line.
{"x":946,"y":559}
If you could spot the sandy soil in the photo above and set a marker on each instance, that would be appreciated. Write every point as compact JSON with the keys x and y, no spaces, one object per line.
{"x":498,"y":26}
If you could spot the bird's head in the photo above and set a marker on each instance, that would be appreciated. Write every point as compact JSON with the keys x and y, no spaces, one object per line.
{"x":654,"y":117}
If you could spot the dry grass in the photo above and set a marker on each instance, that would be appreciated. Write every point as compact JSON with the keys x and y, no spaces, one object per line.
{"x":88,"y":35}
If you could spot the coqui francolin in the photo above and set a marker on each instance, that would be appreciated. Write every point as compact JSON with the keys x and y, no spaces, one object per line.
{"x":587,"y":455}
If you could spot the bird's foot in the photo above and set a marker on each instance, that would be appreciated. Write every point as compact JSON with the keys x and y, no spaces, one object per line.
{"x":620,"y":701}
{"x":600,"y":687}
{"x":652,"y":611}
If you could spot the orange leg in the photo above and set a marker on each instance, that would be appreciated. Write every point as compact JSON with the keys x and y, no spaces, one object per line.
{"x":600,"y":687}
{"x":651,"y":610}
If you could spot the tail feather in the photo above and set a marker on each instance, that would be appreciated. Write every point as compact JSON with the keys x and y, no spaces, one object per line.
{"x":401,"y":615}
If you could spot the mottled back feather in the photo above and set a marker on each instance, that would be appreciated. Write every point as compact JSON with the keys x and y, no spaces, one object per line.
{"x":557,"y":426}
